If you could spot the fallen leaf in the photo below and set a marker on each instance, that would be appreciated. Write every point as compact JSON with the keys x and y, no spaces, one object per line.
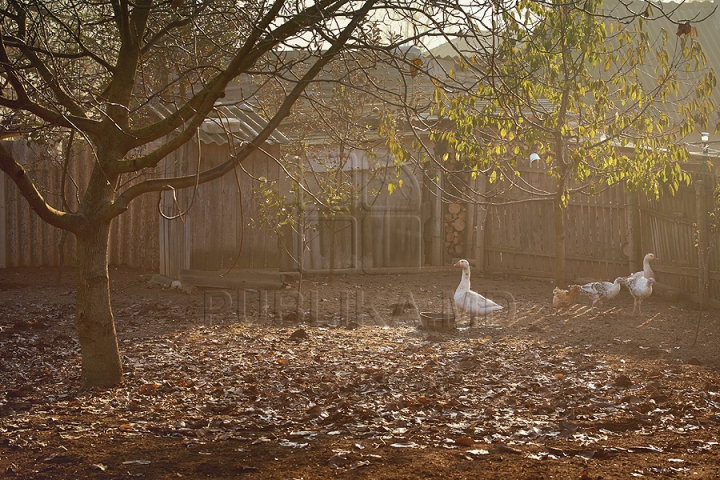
{"x":464,"y":441}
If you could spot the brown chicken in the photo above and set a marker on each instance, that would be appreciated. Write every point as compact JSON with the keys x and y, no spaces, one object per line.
{"x":564,"y":299}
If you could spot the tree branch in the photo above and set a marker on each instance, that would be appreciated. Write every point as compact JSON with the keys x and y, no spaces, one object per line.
{"x":122,"y":201}
{"x":132,"y":27}
{"x":54,"y":217}
{"x":202,"y":103}
{"x":24,"y":102}
{"x":65,"y":100}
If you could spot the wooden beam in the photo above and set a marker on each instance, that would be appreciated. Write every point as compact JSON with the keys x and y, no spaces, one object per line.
{"x":702,"y":238}
{"x":436,"y":228}
{"x":666,"y":217}
{"x":470,"y":223}
{"x":518,"y":251}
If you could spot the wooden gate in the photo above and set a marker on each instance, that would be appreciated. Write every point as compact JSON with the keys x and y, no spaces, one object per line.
{"x":381,"y":232}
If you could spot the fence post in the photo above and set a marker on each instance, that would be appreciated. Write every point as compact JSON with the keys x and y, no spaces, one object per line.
{"x":702,"y":234}
{"x":633,"y":227}
{"x":480,"y":217}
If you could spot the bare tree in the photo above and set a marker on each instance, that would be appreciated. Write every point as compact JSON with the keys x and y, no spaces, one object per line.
{"x":96,"y":69}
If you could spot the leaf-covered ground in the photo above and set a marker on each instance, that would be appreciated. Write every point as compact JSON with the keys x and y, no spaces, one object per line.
{"x":359,"y":393}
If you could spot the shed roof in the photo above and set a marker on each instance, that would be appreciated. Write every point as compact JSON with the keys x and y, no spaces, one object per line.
{"x":236,"y":120}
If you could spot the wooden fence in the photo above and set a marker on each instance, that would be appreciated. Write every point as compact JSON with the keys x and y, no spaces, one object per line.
{"x":678,"y":228}
{"x":27,"y":241}
{"x":220,"y":230}
{"x":382,"y":233}
{"x":519,"y":236}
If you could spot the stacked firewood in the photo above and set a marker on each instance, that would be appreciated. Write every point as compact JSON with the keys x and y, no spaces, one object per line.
{"x":455,"y":222}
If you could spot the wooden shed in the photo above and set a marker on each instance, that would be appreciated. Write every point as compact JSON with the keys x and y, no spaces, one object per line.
{"x":215,"y":226}
{"x":210,"y":227}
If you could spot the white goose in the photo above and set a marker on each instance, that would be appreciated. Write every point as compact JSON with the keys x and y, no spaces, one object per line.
{"x":647,"y":271}
{"x":640,"y":288}
{"x":471,"y":302}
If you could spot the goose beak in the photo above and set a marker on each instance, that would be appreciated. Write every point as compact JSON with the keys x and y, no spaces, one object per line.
{"x":457,"y":264}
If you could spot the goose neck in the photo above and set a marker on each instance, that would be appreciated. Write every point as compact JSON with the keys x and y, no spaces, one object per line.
{"x":465,"y":281}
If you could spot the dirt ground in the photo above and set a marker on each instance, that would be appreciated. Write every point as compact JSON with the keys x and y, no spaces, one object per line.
{"x":360,"y":390}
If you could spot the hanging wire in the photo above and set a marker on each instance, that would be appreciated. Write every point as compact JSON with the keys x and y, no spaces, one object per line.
{"x":174,"y":191}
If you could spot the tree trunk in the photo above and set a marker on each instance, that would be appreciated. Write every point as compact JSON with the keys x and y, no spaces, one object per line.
{"x":101,"y":365}
{"x":559,"y":222}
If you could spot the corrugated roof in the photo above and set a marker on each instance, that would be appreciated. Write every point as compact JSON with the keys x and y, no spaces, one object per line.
{"x":466,"y":46}
{"x":238,"y":120}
